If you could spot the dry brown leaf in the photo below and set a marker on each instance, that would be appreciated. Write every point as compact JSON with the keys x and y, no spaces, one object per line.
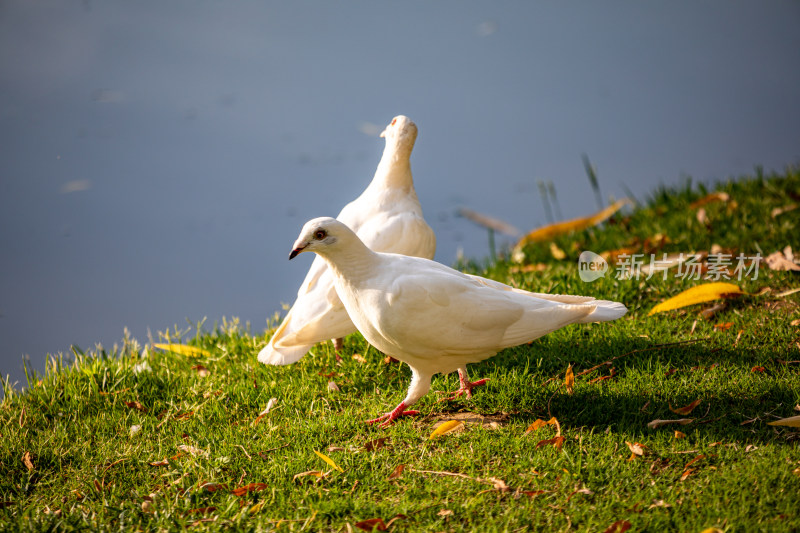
{"x":659,"y":503}
{"x":136,"y":405}
{"x":620,"y":526}
{"x":191,"y":450}
{"x":693,"y":461}
{"x":499,"y":484}
{"x":360,"y":358}
{"x":710,"y":198}
{"x":373,"y":524}
{"x":696,"y":295}
{"x":778,"y":211}
{"x":586,"y":492}
{"x":779,"y":261}
{"x":636,"y":448}
{"x":759,"y":369}
{"x":333,"y":387}
{"x":444,"y":512}
{"x":213,"y":487}
{"x":539,"y":423}
{"x":686,"y":474}
{"x":252,"y":487}
{"x":200,"y":510}
{"x":723,"y":326}
{"x":685,"y":410}
{"x":533,"y":493}
{"x":558,"y":442}
{"x":795,"y":322}
{"x":658,"y":423}
{"x":26,"y":460}
{"x":680,"y":434}
{"x":201,"y":370}
{"x":160,"y":463}
{"x":376,"y":444}
{"x":270,"y":404}
{"x":397,"y":472}
{"x":569,"y":380}
{"x":184,"y":415}
{"x":792,"y":421}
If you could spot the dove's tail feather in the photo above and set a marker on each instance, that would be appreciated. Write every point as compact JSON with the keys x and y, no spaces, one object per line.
{"x":285,"y":356}
{"x":604,"y":310}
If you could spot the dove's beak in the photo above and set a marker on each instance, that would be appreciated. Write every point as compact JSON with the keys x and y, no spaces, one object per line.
{"x":383,"y":133}
{"x":295,"y":252}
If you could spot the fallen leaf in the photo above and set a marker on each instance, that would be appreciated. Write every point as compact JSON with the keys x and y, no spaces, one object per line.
{"x":191,"y":450}
{"x":723,"y":326}
{"x":760,"y":369}
{"x":313,"y":473}
{"x":397,"y":472}
{"x":270,"y":404}
{"x":159,"y":463}
{"x":710,"y":198}
{"x":200,"y":510}
{"x":539,"y":423}
{"x":329,"y":461}
{"x":533,"y":493}
{"x":569,"y":380}
{"x":636,"y":448}
{"x":792,"y":421}
{"x":795,"y":322}
{"x":620,"y":526}
{"x":680,"y":434}
{"x":551,"y":231}
{"x":712,"y":530}
{"x":698,"y":294}
{"x":587,"y":492}
{"x":558,"y":442}
{"x":750,"y":448}
{"x":685,"y":410}
{"x":184,"y":415}
{"x":376,"y":444}
{"x":201,"y":370}
{"x":446,"y":427}
{"x":373,"y":524}
{"x":214,"y":487}
{"x":686,"y":474}
{"x":658,"y":423}
{"x":136,"y":405}
{"x":499,"y":484}
{"x":778,"y":261}
{"x":659,"y":503}
{"x":252,"y":487}
{"x":183,"y":349}
{"x":360,"y":358}
{"x":776,"y":212}
{"x":557,"y":252}
{"x":26,"y":460}
{"x":444,"y":512}
{"x":333,"y":387}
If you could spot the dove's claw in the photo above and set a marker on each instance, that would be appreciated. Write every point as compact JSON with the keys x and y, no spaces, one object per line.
{"x":396,"y":413}
{"x":466,"y":388}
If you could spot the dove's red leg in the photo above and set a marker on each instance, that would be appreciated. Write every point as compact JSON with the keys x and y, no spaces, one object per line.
{"x":396,"y":413}
{"x":338,"y":344}
{"x":466,"y":385}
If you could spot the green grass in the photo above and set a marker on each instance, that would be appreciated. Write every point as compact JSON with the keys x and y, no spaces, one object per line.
{"x":90,"y":472}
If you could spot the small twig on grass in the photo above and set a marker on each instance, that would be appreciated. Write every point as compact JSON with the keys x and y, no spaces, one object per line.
{"x":245,"y":452}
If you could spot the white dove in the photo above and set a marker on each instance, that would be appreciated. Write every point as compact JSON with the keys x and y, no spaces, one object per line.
{"x":431,"y":317}
{"x":387,"y":217}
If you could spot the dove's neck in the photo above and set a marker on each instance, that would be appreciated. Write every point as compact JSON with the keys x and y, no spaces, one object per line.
{"x":394,"y":169}
{"x":351,"y":259}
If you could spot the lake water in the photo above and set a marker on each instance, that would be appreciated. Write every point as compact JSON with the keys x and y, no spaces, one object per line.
{"x":158,"y":159}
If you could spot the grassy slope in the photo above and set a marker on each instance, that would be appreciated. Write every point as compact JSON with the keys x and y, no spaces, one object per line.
{"x":89,"y":471}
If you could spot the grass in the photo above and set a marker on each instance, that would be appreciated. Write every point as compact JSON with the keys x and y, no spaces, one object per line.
{"x":72,"y":459}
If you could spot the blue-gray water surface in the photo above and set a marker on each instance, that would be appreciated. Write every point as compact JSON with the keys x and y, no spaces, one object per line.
{"x":159,"y":158}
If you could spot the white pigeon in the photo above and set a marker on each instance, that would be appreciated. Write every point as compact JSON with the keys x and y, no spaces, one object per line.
{"x":387,"y":217}
{"x":434,"y":318}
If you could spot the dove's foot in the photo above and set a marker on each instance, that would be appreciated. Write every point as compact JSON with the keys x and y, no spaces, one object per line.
{"x":338,"y":344}
{"x":388,"y":418}
{"x":466,"y":388}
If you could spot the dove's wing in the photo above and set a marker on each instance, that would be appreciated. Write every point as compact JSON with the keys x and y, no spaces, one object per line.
{"x":426,"y":311}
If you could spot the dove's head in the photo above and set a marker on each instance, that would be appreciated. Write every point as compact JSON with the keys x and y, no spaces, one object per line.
{"x":401,"y":131}
{"x":319,"y":235}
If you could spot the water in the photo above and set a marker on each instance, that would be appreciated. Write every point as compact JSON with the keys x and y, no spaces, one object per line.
{"x":158,"y":159}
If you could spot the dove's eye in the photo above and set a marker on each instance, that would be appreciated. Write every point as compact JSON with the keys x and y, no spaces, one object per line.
{"x":394,"y":121}
{"x":320,"y":234}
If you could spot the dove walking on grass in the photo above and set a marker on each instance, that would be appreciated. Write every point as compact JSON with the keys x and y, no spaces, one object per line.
{"x":387,"y":217}
{"x":431,"y":317}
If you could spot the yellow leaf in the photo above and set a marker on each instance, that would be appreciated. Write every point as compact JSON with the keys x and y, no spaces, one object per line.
{"x":680,"y":434}
{"x":569,"y":380}
{"x":712,"y":530}
{"x":183,"y":349}
{"x":257,"y":507}
{"x":329,"y":461}
{"x":551,"y":231}
{"x":699,"y":294}
{"x":792,"y":421}
{"x":685,"y":410}
{"x":446,"y":427}
{"x":539,"y":423}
